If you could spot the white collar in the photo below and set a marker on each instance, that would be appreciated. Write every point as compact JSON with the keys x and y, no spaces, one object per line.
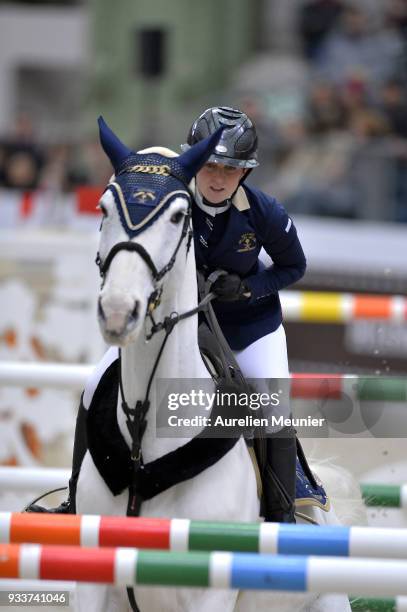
{"x":240,"y":201}
{"x":210,"y":210}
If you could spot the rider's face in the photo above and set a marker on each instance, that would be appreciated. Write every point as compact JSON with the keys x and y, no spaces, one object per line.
{"x":218,"y":182}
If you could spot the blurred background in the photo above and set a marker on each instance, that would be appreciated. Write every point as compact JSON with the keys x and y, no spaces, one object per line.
{"x":325,"y":82}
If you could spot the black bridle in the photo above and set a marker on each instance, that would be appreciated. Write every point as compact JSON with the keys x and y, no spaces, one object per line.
{"x":128,"y":245}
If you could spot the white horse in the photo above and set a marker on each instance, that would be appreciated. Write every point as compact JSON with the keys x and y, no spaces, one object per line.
{"x":164,"y":260}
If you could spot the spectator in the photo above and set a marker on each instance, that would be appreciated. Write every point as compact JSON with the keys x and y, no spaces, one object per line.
{"x":367,"y":124}
{"x":354,"y":48}
{"x":269,"y":138}
{"x":394,"y":109}
{"x":22,"y":160}
{"x":396,"y":14}
{"x":396,"y":19}
{"x":314,"y":178}
{"x":325,"y":109}
{"x":393,"y":100}
{"x":354,"y":96}
{"x":316,"y":19}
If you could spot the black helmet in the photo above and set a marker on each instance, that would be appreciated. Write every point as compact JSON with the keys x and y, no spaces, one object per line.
{"x":238,"y":144}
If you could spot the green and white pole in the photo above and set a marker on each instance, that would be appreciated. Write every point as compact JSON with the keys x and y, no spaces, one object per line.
{"x":386,"y":495}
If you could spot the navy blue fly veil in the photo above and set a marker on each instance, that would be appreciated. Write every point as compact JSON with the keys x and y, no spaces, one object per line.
{"x":145,"y":184}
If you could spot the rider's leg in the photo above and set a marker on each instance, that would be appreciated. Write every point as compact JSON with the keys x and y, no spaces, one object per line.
{"x":80,"y":440}
{"x":266,"y":359}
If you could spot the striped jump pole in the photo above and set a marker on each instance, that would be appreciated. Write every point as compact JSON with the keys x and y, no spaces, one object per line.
{"x":183,"y":535}
{"x":55,"y":375}
{"x":221,"y":570}
{"x":303,"y":386}
{"x":32,"y":478}
{"x":324,"y":307}
{"x":360,"y":604}
{"x":362,"y":388}
{"x":386,"y":495}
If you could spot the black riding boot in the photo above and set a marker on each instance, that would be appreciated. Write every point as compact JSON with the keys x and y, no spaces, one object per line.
{"x":79,"y":450}
{"x":280,"y":477}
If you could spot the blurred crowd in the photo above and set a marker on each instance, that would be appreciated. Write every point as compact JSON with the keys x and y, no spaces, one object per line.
{"x":344,"y":152}
{"x":26,"y":164}
{"x":340,"y":151}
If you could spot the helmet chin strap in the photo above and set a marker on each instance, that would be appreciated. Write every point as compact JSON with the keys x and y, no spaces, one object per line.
{"x":242,"y":180}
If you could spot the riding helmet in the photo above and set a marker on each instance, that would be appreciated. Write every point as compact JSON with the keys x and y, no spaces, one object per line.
{"x":238,"y":143}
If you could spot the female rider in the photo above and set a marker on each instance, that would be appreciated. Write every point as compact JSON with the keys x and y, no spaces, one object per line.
{"x":232,"y":222}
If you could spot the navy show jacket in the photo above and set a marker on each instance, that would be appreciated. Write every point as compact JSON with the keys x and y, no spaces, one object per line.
{"x":232,"y":241}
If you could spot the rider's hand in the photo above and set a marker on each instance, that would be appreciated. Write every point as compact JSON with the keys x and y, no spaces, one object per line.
{"x":230,"y":287}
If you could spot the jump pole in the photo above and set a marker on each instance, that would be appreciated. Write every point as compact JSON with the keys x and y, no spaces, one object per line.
{"x":385,"y":495}
{"x":221,"y":570}
{"x":183,"y":535}
{"x":303,"y":385}
{"x":361,"y":604}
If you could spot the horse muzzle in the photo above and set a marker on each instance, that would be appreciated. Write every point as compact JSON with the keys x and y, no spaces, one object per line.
{"x":118,"y":319}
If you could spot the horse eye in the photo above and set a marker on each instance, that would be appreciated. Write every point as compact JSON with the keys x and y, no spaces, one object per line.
{"x":177,"y":217}
{"x":103,"y":210}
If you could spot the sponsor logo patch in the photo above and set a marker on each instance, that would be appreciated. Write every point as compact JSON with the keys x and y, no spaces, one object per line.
{"x":247,"y":242}
{"x":144,"y":196}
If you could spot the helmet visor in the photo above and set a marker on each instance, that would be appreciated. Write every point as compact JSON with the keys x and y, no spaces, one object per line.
{"x":218,"y":158}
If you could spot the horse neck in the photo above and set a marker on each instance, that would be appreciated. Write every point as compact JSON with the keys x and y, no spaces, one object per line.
{"x":180,"y":358}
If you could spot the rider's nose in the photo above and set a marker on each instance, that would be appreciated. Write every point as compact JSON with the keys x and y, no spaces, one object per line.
{"x":218,"y":177}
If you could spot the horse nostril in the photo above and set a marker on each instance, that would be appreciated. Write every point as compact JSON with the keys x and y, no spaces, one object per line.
{"x":135,"y":313}
{"x":101,"y":313}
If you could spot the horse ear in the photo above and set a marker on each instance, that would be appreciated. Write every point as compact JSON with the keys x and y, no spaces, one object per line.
{"x":193,"y":159}
{"x":112,"y":145}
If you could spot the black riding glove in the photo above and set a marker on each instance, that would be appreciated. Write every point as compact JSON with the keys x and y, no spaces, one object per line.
{"x":230,"y":287}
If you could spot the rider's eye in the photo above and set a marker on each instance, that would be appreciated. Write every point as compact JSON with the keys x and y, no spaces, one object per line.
{"x":177,"y":217}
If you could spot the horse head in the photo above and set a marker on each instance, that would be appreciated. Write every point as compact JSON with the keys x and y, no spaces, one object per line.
{"x":146,"y":223}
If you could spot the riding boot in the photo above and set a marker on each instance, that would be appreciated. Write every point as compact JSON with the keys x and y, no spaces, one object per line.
{"x":280,"y":477}
{"x":79,"y":450}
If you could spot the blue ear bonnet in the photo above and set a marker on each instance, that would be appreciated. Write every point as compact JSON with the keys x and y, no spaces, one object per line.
{"x":144,"y":187}
{"x":145,"y":184}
